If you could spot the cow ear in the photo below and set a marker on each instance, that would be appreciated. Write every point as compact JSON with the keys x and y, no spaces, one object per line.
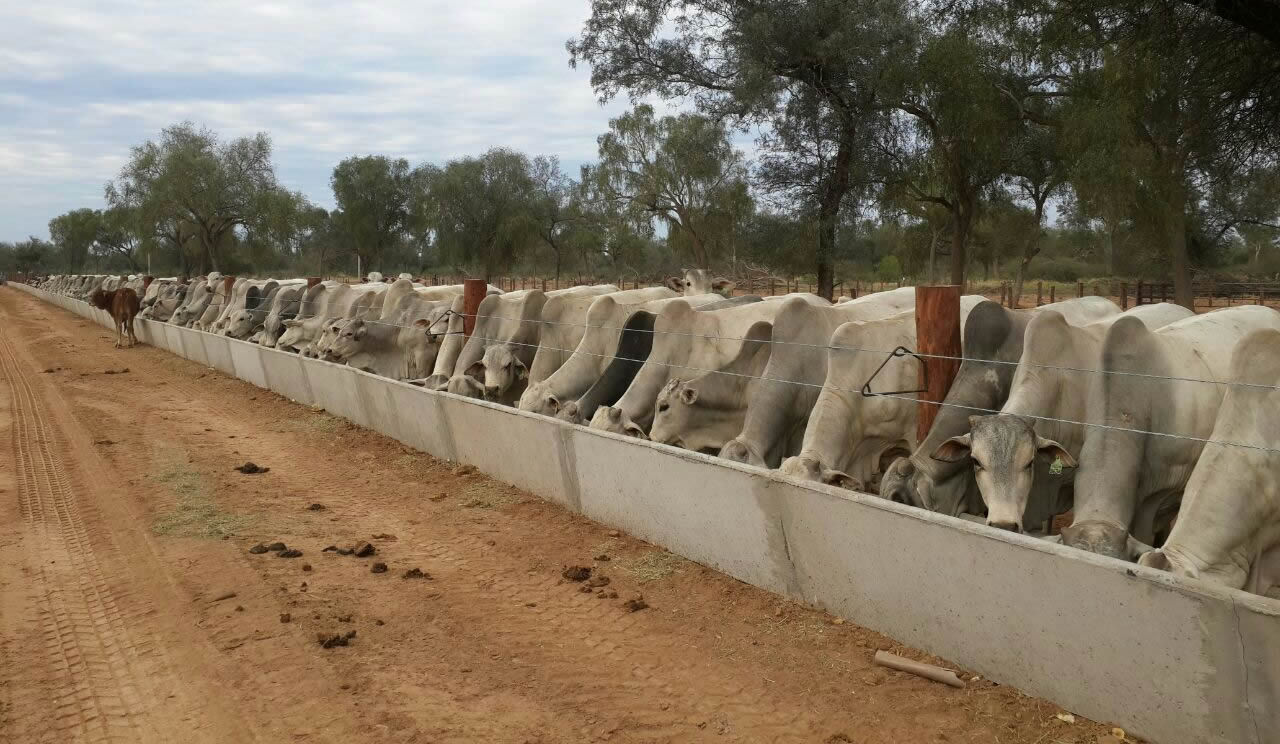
{"x":632,"y":430}
{"x":688,"y":395}
{"x":521,"y":371}
{"x":1054,"y":451}
{"x":476,"y":369}
{"x":841,"y":480}
{"x":954,"y":449}
{"x":675,"y":283}
{"x":614,"y":413}
{"x":292,"y":323}
{"x":553,"y":403}
{"x":720,"y":284}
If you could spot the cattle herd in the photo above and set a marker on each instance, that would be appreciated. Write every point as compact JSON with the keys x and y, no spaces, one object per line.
{"x":1157,"y":429}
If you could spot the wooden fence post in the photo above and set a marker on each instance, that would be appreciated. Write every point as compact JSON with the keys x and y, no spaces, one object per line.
{"x":1124,"y":295}
{"x":772,"y":288}
{"x":938,"y":334}
{"x":1164,"y":292}
{"x":473,"y":291}
{"x":1039,"y":294}
{"x":1079,"y":289}
{"x":1052,"y":293}
{"x":1138,"y":299}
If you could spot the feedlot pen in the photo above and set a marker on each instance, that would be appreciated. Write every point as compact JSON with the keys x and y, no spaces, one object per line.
{"x":1170,"y":659}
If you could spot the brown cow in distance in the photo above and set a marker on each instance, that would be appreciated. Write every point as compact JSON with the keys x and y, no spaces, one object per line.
{"x":123,"y":305}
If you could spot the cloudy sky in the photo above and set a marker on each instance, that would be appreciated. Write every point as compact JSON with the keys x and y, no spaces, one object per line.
{"x":80,"y":82}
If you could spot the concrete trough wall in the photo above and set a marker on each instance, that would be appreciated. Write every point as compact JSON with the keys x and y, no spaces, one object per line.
{"x":1173,"y":660}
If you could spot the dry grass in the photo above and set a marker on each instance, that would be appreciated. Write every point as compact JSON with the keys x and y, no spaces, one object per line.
{"x":653,"y":565}
{"x":194,"y":512}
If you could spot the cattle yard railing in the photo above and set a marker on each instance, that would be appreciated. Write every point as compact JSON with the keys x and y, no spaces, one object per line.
{"x":1170,"y":659}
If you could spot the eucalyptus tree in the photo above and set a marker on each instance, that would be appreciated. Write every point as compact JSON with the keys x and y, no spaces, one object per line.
{"x":483,"y":210}
{"x":742,"y":61}
{"x":680,"y":169}
{"x":190,"y":185}
{"x":373,"y":195}
{"x":73,"y":235}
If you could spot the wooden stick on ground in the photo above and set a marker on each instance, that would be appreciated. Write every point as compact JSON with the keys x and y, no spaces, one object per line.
{"x":928,"y":671}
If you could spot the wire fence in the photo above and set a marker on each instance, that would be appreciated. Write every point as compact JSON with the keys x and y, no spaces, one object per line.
{"x":439,"y":317}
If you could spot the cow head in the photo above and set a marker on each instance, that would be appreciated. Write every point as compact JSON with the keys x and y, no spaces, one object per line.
{"x":611,"y":418}
{"x":699,"y":282}
{"x":240,"y":324}
{"x":683,"y":420}
{"x":808,"y":466}
{"x":1104,"y":538}
{"x":348,"y":340}
{"x":539,"y":398}
{"x":293,"y":334}
{"x":499,"y":369}
{"x":1004,"y":450}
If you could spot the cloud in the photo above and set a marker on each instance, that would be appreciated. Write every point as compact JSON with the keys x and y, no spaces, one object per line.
{"x":82,"y":82}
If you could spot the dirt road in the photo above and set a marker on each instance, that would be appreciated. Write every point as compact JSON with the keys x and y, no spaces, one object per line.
{"x":131,"y":609}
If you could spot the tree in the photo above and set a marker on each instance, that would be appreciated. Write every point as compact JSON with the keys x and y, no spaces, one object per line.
{"x":483,"y":210}
{"x":73,"y":235}
{"x":191,"y":186}
{"x":960,"y":116}
{"x":553,"y":206}
{"x":743,"y":61}
{"x":121,"y":235}
{"x":1036,"y":173}
{"x":680,"y":169}
{"x":373,"y":195}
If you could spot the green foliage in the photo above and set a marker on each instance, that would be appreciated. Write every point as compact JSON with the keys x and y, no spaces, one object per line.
{"x":373,"y":195}
{"x":680,"y":169}
{"x":889,"y":269}
{"x":484,"y":212}
{"x":73,"y":235}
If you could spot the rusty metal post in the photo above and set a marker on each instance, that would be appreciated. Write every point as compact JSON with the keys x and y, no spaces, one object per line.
{"x":938,"y":334}
{"x":473,"y":291}
{"x":312,"y":281}
{"x":1124,"y":295}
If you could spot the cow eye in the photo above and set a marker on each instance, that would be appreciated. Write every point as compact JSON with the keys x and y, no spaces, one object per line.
{"x":663,"y":407}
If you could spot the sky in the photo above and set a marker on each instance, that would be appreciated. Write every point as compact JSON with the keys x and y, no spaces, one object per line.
{"x":81,"y":82}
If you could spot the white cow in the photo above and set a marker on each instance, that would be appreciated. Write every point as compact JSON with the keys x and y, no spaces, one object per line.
{"x":699,"y":282}
{"x":778,"y":412}
{"x":850,"y":438}
{"x":1130,"y":482}
{"x":1228,"y":530}
{"x":603,"y":323}
{"x":992,"y":341}
{"x":686,"y":342}
{"x":1025,"y":458}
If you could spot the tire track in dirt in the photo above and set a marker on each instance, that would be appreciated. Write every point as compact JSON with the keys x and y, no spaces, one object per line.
{"x":105,"y":673}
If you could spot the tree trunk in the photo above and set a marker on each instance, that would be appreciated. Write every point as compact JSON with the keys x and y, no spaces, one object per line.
{"x":833,"y":191}
{"x":960,"y":244}
{"x":933,"y":252}
{"x":1183,"y":294}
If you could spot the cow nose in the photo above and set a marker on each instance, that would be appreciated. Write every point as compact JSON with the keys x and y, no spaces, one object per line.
{"x":491,"y":390}
{"x":1010,"y":526}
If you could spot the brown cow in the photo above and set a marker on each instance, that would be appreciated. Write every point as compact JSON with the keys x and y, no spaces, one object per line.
{"x":123,"y":305}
